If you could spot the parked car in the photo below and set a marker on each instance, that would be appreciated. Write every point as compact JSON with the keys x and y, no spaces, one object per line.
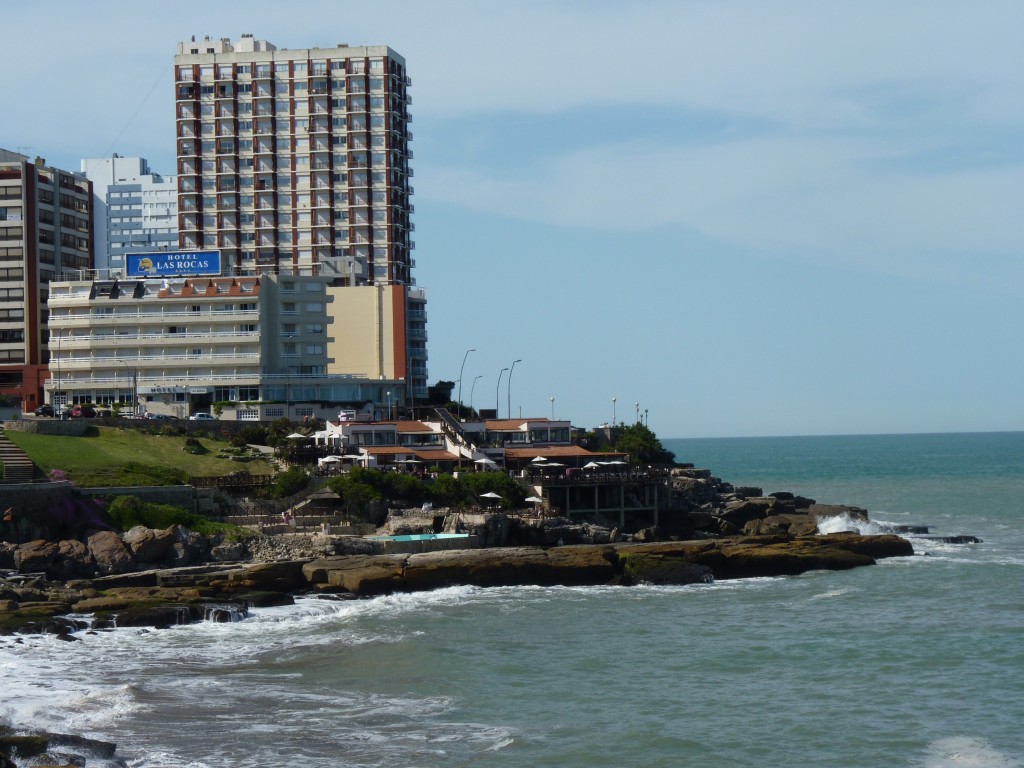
{"x":79,"y":412}
{"x":202,"y":417}
{"x":160,"y":416}
{"x":44,"y":410}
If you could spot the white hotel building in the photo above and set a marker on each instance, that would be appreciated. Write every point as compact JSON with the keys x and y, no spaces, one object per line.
{"x":246,"y":347}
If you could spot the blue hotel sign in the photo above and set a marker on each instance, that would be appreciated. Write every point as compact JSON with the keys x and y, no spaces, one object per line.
{"x":173,"y":263}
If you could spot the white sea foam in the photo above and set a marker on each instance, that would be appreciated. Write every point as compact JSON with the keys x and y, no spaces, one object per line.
{"x":844,"y":522}
{"x":967,"y":752}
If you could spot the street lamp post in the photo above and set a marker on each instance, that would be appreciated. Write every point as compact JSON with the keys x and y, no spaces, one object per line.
{"x":134,"y":373}
{"x":613,"y":411}
{"x":647,"y":420}
{"x":56,"y":393}
{"x":552,"y":407}
{"x":497,"y":394}
{"x":389,"y":406}
{"x":463,"y":368}
{"x":479,"y":376}
{"x":508,"y":386}
{"x":637,"y":412}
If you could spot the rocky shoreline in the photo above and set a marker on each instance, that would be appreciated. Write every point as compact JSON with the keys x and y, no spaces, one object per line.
{"x":162,"y":598}
{"x":75,"y":586}
{"x":333,"y":566}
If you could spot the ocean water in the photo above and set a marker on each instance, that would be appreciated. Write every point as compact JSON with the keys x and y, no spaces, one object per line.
{"x":913,"y":662}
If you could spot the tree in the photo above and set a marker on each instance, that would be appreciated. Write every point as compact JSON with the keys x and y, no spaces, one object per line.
{"x":642,"y":445}
{"x":289,"y":482}
{"x":447,"y":491}
{"x":479,"y":483}
{"x":354,"y":492}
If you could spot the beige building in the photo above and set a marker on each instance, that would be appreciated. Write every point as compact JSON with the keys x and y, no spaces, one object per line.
{"x":248,"y":347}
{"x":45,"y":235}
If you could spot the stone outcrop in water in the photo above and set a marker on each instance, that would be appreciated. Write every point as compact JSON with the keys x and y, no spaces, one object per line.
{"x":159,"y":598}
{"x":53,"y":750}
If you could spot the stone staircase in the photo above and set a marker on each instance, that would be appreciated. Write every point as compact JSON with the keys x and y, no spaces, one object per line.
{"x":18,"y":468}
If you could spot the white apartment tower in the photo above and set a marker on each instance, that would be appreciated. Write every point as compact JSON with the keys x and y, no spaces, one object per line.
{"x":134,"y":210}
{"x":296,"y":158}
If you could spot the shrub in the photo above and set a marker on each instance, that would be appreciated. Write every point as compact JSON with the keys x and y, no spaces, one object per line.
{"x":511,"y":492}
{"x":292,"y":480}
{"x":250,"y":433}
{"x":355,"y":493}
{"x":128,"y":511}
{"x":193,"y":446}
{"x":447,"y":491}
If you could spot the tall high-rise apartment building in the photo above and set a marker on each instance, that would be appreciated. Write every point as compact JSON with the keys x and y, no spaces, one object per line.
{"x":134,"y":210}
{"x":298,"y":161}
{"x":295,"y":158}
{"x":45,"y":236}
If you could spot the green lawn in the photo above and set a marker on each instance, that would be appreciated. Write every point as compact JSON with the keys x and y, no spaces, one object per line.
{"x":120,"y":457}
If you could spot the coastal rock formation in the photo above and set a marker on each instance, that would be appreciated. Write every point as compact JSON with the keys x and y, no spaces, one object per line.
{"x":658,"y":562}
{"x":110,"y":553}
{"x":53,"y":750}
{"x":222,"y":592}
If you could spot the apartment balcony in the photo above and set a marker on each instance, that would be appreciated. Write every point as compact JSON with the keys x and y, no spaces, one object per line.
{"x":102,"y":343}
{"x":214,"y":359}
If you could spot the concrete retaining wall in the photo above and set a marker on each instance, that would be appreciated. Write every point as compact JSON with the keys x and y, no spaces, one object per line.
{"x":27,"y":497}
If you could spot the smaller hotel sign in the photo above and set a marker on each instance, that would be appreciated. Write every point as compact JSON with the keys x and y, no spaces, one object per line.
{"x":173,"y":263}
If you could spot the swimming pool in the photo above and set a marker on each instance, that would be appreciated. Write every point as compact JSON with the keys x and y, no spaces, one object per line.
{"x":421,"y":537}
{"x":426,"y":542}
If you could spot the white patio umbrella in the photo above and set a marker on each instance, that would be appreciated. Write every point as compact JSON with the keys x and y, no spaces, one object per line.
{"x":485,"y":461}
{"x":297,"y":436}
{"x":330,"y":459}
{"x":535,"y":499}
{"x":592,"y":465}
{"x":490,"y":495}
{"x":537,"y":459}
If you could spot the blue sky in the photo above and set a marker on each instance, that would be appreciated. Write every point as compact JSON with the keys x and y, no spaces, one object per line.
{"x":750,"y":218}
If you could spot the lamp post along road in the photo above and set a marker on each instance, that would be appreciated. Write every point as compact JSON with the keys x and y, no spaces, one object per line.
{"x":56,"y":393}
{"x":552,"y":408}
{"x":463,"y":368}
{"x":497,"y":394}
{"x":508,"y":387}
{"x":134,"y":373}
{"x":613,"y":411}
{"x":479,"y":376}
